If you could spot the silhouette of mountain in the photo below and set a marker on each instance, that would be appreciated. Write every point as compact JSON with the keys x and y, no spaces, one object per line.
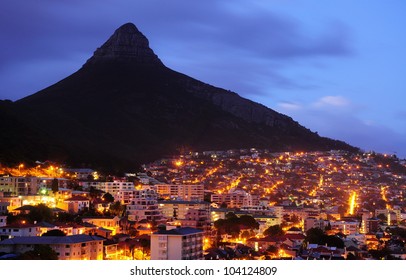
{"x":124,"y":107}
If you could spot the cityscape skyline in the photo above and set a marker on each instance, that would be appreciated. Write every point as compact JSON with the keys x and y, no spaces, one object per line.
{"x":246,"y":204}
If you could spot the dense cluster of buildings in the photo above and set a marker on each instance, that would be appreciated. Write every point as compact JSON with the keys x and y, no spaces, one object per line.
{"x":170,"y":210}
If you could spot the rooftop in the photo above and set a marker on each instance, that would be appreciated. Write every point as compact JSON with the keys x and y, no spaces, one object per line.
{"x":179,"y":231}
{"x":71,"y":239}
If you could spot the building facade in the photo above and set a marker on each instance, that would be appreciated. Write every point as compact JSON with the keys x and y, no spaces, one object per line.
{"x":177,"y":244}
{"x":181,"y":192}
{"x":74,"y":247}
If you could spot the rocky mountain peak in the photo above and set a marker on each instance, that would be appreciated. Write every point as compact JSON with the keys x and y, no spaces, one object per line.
{"x":126,"y":44}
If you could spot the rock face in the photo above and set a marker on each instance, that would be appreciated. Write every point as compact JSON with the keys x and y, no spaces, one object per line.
{"x":127,"y":44}
{"x":236,"y":105}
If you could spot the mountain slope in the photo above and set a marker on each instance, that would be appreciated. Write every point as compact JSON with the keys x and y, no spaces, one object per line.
{"x":125,"y":107}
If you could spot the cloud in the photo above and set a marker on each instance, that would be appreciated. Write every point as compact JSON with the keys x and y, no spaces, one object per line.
{"x":332,"y":101}
{"x":289,"y":106}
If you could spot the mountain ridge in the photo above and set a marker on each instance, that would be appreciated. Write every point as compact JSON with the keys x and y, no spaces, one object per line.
{"x":124,"y":107}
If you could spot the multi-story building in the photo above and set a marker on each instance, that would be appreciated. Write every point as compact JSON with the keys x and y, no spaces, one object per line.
{"x":234,"y":199}
{"x":346,"y":227}
{"x":181,"y":192}
{"x":12,"y":202}
{"x":197,"y":218}
{"x":177,"y":209}
{"x":177,"y":244}
{"x":312,"y":222}
{"x":144,"y":205}
{"x":266,"y":221}
{"x":73,"y":247}
{"x":390,"y":214}
{"x":371,"y":225}
{"x":110,"y":223}
{"x":121,"y":191}
{"x":81,"y":173}
{"x":76,"y":204}
{"x":18,"y":230}
{"x":19,"y":185}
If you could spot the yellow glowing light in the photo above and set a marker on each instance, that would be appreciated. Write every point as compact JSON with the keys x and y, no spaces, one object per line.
{"x":352,"y":202}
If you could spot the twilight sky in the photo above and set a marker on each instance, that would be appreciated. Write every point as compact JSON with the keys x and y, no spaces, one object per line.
{"x":337,"y":67}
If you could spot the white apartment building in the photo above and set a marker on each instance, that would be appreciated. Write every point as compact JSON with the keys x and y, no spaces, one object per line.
{"x":19,"y":230}
{"x":177,"y":244}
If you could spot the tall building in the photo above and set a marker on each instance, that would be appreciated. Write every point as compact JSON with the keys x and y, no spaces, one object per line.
{"x":177,"y":244}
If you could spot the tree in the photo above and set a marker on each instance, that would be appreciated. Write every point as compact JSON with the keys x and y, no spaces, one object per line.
{"x":93,"y":192}
{"x":223,"y":205}
{"x":314,"y":235}
{"x":382,"y":217}
{"x":272,"y":249}
{"x":275,"y":230}
{"x":249,"y":221}
{"x":145,"y":245}
{"x":317,"y":236}
{"x":65,"y":217}
{"x":40,"y":252}
{"x":107,"y":197}
{"x":116,"y":208}
{"x":54,"y":232}
{"x":55,"y":185}
{"x":40,"y":213}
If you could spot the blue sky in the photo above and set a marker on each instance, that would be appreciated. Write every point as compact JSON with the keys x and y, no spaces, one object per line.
{"x":337,"y":67}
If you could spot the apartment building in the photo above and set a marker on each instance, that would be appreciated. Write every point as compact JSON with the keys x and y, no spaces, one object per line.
{"x":236,"y":198}
{"x":19,"y":185}
{"x":121,"y":190}
{"x":177,"y":244}
{"x":144,"y":205}
{"x":346,"y":227}
{"x":110,"y":223}
{"x":18,"y":230}
{"x":178,"y":209}
{"x":73,"y":247}
{"x":181,"y":192}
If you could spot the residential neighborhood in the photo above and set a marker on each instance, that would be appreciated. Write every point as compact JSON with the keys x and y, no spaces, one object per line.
{"x":215,"y":205}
